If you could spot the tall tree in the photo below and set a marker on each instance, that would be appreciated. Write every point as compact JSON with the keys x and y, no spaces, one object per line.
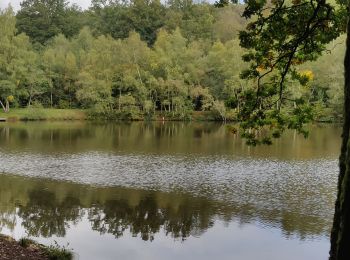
{"x":41,"y":20}
{"x":195,"y":20}
{"x":18,"y":62}
{"x":7,"y":52}
{"x":119,"y":18}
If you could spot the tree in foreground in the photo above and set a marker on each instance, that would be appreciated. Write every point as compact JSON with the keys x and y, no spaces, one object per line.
{"x":283,"y":35}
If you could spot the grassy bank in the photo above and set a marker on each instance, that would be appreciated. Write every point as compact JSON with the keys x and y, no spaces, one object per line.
{"x":160,"y":116}
{"x":33,"y":114}
{"x":28,"y":249}
{"x":52,"y":252}
{"x":54,"y":114}
{"x":37,"y":114}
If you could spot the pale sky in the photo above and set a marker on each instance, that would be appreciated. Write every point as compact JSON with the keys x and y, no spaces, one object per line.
{"x":15,"y":3}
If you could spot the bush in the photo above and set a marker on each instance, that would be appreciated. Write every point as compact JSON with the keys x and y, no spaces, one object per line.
{"x":57,"y":252}
{"x":63,"y":104}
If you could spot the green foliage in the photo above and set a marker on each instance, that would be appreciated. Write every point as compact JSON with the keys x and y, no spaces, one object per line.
{"x":57,"y":252}
{"x":282,"y":36}
{"x":26,"y":242}
{"x":220,"y":108}
{"x":52,"y":252}
{"x":41,"y":20}
{"x":118,"y":19}
{"x":140,"y":58}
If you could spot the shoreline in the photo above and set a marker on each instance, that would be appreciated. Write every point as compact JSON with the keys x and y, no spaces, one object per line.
{"x":56,"y":114}
{"x":28,"y":249}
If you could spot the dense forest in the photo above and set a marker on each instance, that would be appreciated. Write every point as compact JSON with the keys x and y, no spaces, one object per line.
{"x":134,"y":59}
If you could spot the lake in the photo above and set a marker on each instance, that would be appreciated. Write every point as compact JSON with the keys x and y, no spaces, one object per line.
{"x":168,"y":190}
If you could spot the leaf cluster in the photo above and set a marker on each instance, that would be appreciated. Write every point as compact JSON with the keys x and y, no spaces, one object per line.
{"x":281,"y":36}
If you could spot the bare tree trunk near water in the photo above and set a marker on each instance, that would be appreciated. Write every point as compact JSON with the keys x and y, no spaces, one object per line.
{"x":340,"y":236}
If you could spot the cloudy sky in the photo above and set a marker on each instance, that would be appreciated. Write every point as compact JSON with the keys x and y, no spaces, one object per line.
{"x":15,"y":3}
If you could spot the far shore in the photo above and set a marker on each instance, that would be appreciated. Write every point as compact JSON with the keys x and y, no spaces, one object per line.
{"x":56,"y":114}
{"x":37,"y":114}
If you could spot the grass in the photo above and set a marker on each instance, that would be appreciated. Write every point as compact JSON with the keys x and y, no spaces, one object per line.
{"x":54,"y":114}
{"x":53,"y":252}
{"x":34,"y":114}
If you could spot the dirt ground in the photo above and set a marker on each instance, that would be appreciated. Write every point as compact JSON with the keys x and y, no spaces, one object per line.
{"x":11,"y":250}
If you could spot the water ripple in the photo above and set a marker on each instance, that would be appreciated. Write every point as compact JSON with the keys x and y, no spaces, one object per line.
{"x":270,"y":184}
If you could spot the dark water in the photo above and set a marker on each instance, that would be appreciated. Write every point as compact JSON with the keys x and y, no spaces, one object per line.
{"x":168,"y":191}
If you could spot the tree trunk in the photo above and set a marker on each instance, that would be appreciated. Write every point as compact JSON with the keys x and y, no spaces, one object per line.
{"x":30,"y":101}
{"x":51,"y":97}
{"x":30,"y":96}
{"x":120,"y":95}
{"x":3,"y":107}
{"x":7,"y":106}
{"x":137,"y":68}
{"x":340,"y":236}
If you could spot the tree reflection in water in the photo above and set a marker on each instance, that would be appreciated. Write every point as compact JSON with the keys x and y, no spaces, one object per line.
{"x":49,"y":208}
{"x":44,"y":216}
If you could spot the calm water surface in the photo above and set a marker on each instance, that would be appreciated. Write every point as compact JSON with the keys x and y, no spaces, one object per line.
{"x":168,"y":190}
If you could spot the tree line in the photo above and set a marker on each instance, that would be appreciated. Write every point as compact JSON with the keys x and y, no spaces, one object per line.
{"x":133,"y":59}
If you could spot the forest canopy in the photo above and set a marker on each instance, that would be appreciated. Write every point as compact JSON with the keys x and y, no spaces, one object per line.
{"x":132,"y":59}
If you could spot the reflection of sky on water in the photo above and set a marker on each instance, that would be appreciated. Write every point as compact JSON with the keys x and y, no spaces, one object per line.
{"x":219,"y":242}
{"x":198,"y":190}
{"x":102,"y":222}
